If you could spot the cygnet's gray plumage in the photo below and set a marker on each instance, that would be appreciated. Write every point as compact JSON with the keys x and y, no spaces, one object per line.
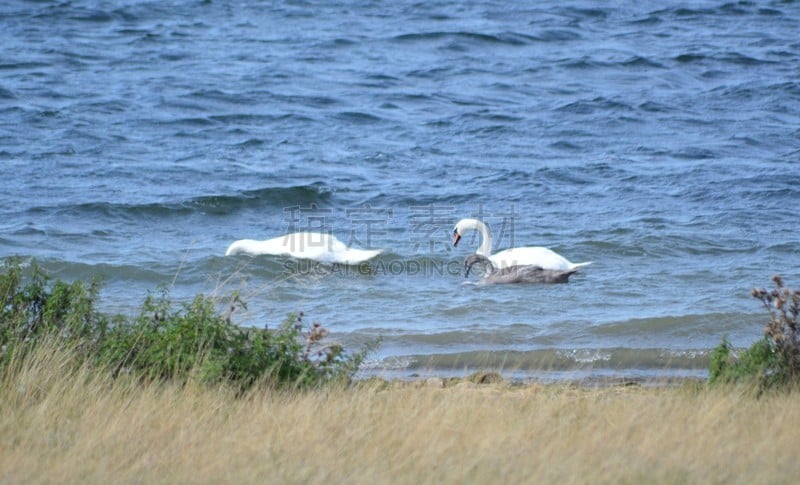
{"x":516,"y":274}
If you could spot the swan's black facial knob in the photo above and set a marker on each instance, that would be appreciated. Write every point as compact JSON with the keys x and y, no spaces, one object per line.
{"x":456,"y":237}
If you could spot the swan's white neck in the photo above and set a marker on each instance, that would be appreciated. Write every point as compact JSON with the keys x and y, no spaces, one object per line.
{"x":485,"y":249}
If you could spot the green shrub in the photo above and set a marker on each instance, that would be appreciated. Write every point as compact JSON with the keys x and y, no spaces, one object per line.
{"x":30,"y":310}
{"x":166,"y":341}
{"x":194,"y":341}
{"x":291,"y":353}
{"x":754,"y":364}
{"x":773,"y":360}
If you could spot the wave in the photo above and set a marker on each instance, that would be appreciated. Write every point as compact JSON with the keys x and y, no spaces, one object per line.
{"x":235,"y":119}
{"x":11,"y":66}
{"x":689,"y":58}
{"x":641,"y":61}
{"x":557,"y":35}
{"x":151,"y":274}
{"x":629,"y":333}
{"x":269,"y":196}
{"x":591,"y":106}
{"x":506,"y":38}
{"x":314,"y":193}
{"x":356,"y":117}
{"x":579,"y":363}
{"x":585,"y":13}
{"x":734,"y":58}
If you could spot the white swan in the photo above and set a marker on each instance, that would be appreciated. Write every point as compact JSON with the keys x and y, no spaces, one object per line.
{"x":516,"y":274}
{"x":531,"y":255}
{"x":316,"y":246}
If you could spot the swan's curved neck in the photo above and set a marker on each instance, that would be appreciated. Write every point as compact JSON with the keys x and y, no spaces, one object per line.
{"x":485,"y":249}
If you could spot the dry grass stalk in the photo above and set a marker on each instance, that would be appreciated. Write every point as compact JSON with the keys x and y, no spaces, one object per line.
{"x":58,"y":424}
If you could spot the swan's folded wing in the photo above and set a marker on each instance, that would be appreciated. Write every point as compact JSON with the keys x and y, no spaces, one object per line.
{"x":319,"y":247}
{"x":358,"y":256}
{"x":532,"y":255}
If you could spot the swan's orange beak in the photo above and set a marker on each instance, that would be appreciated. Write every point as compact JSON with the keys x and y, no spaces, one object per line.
{"x":456,"y":237}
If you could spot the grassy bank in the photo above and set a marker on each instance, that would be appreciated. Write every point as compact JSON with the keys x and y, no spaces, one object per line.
{"x":180,"y":394}
{"x":65,"y":423}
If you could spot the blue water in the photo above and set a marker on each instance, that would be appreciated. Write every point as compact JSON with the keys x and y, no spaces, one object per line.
{"x":662,"y":141}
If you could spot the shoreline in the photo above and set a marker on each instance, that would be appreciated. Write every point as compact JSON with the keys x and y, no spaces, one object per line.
{"x":484,"y":378}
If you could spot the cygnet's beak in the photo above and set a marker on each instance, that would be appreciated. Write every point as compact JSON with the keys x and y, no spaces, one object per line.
{"x":456,"y":237}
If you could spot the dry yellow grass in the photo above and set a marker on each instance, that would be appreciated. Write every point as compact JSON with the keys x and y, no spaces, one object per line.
{"x":60,"y":425}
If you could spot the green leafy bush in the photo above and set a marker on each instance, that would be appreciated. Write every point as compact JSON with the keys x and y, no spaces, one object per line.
{"x":773,"y":360}
{"x":167,"y":341}
{"x":30,"y":310}
{"x":195,"y":341}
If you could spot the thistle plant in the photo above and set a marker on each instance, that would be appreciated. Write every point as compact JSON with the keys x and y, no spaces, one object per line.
{"x":782,"y":328}
{"x":773,"y":360}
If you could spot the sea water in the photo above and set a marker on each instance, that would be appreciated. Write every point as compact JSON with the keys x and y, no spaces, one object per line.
{"x":659,"y":140}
